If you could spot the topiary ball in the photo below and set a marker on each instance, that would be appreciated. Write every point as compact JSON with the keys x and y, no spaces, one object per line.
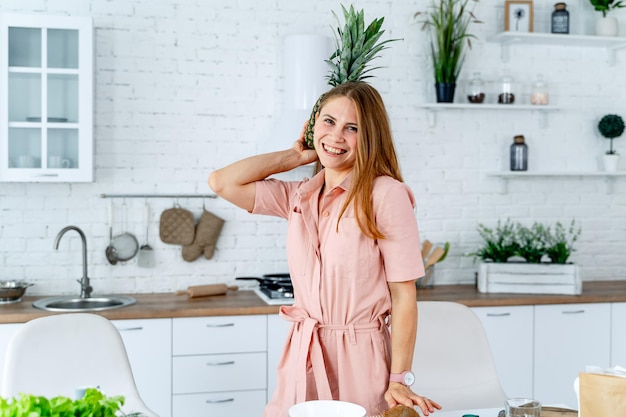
{"x":611,"y":126}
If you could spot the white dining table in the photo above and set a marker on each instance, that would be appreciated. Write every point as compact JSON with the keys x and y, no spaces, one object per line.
{"x":481,"y":412}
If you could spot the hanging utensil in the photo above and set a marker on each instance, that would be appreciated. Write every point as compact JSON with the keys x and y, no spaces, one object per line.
{"x":426,"y":247}
{"x":145,"y":259}
{"x":125,"y":244}
{"x":436,"y":254}
{"x":110,"y":252}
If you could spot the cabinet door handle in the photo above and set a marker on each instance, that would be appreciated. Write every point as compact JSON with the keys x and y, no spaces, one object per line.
{"x":573,"y":312}
{"x":220,"y":363}
{"x":498,"y":314}
{"x":221,"y":325}
{"x":128,"y":329}
{"x":227,"y":400}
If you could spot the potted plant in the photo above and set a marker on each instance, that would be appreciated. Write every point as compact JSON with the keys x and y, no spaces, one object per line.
{"x":520,"y":259}
{"x":606,"y":25}
{"x":611,"y":126}
{"x":448,"y":23}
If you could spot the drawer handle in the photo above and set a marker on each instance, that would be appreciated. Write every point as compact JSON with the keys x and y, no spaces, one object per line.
{"x":573,"y":312}
{"x":227,"y":400}
{"x":220,"y":363}
{"x":128,"y":329}
{"x":221,"y":325}
{"x":498,"y":314}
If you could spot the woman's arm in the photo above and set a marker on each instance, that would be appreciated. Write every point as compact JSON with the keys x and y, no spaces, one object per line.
{"x":236,"y":182}
{"x":403,"y":333}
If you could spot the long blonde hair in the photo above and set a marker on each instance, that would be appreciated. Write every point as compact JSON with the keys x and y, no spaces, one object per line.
{"x":376,"y":154}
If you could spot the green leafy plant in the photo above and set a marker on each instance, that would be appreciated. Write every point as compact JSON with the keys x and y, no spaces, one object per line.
{"x":448,"y":22}
{"x":560,"y":244}
{"x":534,"y":244}
{"x":611,"y":126}
{"x":605,"y":6}
{"x":499,"y":244}
{"x":93,"y":404}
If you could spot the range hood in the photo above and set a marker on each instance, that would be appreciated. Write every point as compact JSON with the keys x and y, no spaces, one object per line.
{"x":304,"y":80}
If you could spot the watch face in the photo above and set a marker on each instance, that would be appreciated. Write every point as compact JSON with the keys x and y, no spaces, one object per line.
{"x":409,"y":379}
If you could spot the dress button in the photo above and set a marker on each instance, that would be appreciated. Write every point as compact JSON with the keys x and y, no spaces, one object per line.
{"x":325,"y":214}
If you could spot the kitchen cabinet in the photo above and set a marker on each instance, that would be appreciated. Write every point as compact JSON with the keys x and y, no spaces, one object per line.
{"x":568,"y":338}
{"x":219,"y":365}
{"x":510,"y":330}
{"x":46,"y":98}
{"x":618,"y":334}
{"x":149,"y":347}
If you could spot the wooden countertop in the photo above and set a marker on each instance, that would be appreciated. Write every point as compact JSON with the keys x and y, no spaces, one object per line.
{"x":168,"y":305}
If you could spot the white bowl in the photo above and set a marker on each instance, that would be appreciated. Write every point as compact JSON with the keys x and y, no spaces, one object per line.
{"x":326,"y":408}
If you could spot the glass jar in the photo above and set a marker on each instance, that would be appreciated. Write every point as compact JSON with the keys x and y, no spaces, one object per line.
{"x":506,"y":95}
{"x":539,"y":91}
{"x":476,"y":89}
{"x":519,"y":154}
{"x":560,"y":19}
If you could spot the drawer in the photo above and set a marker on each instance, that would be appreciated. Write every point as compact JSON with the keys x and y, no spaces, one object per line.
{"x":210,"y":373}
{"x":231,"y":404}
{"x":208,"y":335}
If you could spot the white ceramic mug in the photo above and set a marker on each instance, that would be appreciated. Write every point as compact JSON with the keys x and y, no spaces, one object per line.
{"x":26,"y":161}
{"x":55,"y":161}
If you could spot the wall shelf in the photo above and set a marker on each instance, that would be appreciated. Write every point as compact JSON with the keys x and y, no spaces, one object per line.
{"x":433,"y":108}
{"x":506,"y":39}
{"x":505,"y":176}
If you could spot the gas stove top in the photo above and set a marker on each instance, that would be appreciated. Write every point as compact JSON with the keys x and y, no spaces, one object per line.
{"x":274,"y":289}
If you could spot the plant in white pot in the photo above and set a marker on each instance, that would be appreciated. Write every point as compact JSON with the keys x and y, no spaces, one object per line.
{"x":606,"y":25}
{"x":448,"y":24}
{"x":611,"y":126}
{"x":532,"y":260}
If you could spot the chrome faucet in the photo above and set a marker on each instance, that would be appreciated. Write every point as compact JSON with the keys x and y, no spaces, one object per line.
{"x":85,"y":288}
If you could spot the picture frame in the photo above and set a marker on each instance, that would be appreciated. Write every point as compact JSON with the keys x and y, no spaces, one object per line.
{"x":518,"y":16}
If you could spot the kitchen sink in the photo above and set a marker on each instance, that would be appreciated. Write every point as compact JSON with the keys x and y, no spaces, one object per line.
{"x":74,"y":303}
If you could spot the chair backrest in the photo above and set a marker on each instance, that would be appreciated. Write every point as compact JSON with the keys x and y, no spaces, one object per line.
{"x":60,"y":354}
{"x":452,"y":362}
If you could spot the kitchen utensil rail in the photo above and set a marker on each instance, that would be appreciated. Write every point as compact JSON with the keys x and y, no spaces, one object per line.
{"x":158,"y":195}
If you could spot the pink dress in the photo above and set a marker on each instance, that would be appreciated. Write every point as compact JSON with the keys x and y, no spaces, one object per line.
{"x":339,"y":343}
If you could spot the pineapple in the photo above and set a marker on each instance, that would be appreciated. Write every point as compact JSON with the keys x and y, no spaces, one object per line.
{"x":356,"y":47}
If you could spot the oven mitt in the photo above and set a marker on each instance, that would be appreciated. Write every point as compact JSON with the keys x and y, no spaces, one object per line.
{"x":207,"y":232}
{"x":177,"y":226}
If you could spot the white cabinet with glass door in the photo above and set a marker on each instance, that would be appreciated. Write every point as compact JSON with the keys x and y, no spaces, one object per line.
{"x":46,"y":98}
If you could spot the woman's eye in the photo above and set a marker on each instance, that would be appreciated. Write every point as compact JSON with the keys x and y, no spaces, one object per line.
{"x":353,"y":129}
{"x":329,"y":121}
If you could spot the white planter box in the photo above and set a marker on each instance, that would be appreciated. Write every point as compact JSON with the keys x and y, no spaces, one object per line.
{"x":523,"y":278}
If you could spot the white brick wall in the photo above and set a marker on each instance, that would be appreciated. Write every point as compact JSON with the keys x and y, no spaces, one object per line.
{"x":184,"y":87}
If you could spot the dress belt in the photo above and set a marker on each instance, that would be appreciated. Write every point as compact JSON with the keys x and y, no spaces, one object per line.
{"x":310,"y":346}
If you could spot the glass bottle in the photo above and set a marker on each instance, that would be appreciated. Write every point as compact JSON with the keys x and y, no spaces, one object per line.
{"x":539,"y":91}
{"x":519,"y":154}
{"x":506,"y":95}
{"x":476,"y":89}
{"x":560,"y":19}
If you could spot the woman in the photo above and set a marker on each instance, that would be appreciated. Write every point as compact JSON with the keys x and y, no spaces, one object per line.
{"x":353,"y":254}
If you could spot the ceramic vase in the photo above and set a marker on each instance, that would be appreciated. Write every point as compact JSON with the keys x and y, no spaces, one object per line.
{"x":607,"y":26}
{"x":610,"y":162}
{"x":445,"y":92}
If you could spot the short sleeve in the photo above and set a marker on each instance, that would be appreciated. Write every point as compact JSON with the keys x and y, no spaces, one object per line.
{"x":272,"y":197}
{"x":395,"y":217}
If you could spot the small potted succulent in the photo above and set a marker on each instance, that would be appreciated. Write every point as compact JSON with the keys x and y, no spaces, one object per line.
{"x":611,"y":126}
{"x":606,"y":25}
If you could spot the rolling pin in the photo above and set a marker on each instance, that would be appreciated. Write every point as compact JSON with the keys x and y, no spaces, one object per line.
{"x":195,"y":291}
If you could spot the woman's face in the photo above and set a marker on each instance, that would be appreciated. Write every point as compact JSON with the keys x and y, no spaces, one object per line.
{"x":335,"y":134}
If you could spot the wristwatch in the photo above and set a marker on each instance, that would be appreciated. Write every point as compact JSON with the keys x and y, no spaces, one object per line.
{"x":407,"y":378}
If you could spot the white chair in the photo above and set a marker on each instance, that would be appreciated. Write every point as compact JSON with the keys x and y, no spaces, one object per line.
{"x":59,"y":354}
{"x":452,"y":362}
